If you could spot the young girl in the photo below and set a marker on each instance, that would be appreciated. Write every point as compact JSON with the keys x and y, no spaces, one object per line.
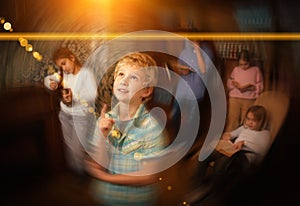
{"x":244,"y":85}
{"x":78,"y":93}
{"x":252,"y":136}
{"x":130,"y":134}
{"x":252,"y":139}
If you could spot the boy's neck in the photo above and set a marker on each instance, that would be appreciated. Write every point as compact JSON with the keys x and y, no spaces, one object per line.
{"x":127,"y":111}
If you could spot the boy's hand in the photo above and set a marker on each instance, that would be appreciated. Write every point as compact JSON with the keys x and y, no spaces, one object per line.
{"x":105,"y":124}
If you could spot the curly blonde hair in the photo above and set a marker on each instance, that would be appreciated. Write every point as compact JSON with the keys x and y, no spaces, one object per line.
{"x":141,"y":60}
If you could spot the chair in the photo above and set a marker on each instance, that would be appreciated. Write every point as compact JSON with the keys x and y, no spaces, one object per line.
{"x":277,"y":105}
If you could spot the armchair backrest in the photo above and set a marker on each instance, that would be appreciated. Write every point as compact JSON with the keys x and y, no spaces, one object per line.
{"x":277,"y":105}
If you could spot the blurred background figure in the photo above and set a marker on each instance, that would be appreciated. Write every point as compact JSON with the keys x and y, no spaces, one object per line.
{"x":244,"y":86}
{"x":78,"y":90}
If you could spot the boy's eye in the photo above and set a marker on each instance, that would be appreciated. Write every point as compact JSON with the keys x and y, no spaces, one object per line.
{"x":120,"y":74}
{"x":134,"y":77}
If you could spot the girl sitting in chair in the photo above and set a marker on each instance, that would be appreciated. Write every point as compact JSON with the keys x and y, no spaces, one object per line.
{"x":251,"y":142}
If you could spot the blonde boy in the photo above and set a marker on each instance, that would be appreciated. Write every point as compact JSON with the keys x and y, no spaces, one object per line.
{"x":131,"y":135}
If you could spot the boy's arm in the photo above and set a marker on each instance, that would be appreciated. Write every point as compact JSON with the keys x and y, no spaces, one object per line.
{"x":138,"y":178}
{"x":125,"y":179}
{"x":92,"y":166}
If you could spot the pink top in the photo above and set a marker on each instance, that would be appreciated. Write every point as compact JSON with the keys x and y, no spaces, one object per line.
{"x":252,"y":76}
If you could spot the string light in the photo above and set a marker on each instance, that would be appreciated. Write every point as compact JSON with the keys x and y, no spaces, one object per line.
{"x":7,"y":26}
{"x":37,"y":56}
{"x":23,"y":42}
{"x":2,"y":20}
{"x":29,"y":48}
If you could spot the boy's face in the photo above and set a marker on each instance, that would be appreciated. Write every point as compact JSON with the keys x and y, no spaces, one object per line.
{"x":129,"y":84}
{"x":251,"y":122}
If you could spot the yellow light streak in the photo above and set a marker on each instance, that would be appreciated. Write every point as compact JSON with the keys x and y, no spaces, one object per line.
{"x":144,"y":36}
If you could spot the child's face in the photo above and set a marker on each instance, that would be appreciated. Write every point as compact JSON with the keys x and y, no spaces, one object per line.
{"x":251,"y":122}
{"x":66,"y":64}
{"x":244,"y":64}
{"x":129,"y":84}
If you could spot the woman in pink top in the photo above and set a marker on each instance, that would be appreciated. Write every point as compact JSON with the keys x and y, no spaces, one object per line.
{"x":244,"y":85}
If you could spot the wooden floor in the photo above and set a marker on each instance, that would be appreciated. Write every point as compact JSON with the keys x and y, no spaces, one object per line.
{"x":64,"y":189}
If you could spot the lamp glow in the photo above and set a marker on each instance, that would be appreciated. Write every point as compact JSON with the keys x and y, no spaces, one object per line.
{"x":7,"y":26}
{"x":28,"y":47}
{"x":23,"y":42}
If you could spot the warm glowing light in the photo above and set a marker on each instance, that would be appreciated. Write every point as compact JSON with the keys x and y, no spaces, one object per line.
{"x":100,"y":1}
{"x":23,"y":42}
{"x":160,"y":179}
{"x":7,"y":26}
{"x":138,"y":156}
{"x":58,"y":77}
{"x":29,"y":47}
{"x":194,"y":36}
{"x":169,"y":187}
{"x":91,"y":110}
{"x":37,"y":56}
{"x":84,"y":102}
{"x":2,"y":20}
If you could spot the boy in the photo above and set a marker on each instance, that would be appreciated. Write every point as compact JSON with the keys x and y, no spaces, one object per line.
{"x":130,"y":135}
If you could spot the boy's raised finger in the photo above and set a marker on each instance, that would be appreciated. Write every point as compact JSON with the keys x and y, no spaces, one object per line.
{"x":103,"y":111}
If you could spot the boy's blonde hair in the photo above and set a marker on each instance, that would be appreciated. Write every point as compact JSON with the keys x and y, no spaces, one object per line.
{"x":142,"y":61}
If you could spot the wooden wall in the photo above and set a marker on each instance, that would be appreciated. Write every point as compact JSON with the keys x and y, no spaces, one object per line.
{"x":31,"y":141}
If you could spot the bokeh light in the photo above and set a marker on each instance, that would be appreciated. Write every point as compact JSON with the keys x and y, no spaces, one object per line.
{"x":2,"y":20}
{"x":29,"y":47}
{"x":37,"y":56}
{"x":23,"y":42}
{"x":7,"y":26}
